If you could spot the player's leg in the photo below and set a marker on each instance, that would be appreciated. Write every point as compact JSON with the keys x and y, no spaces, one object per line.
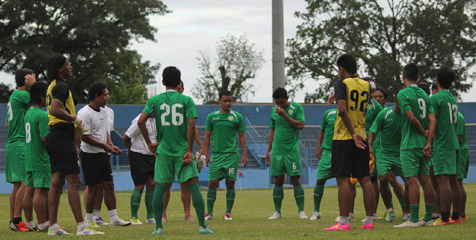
{"x":39,"y":203}
{"x":164,"y":173}
{"x":376,"y":191}
{"x":90,"y":199}
{"x":91,"y":174}
{"x":57,"y":182}
{"x":97,"y":206}
{"x":166,"y":201}
{"x":318,"y":194}
{"x":135,"y":202}
{"x":299,"y":196}
{"x":186,"y":200}
{"x":323,"y":173}
{"x":16,"y":186}
{"x":445,"y":196}
{"x":434,"y":183}
{"x":215,"y":174}
{"x":230,"y":197}
{"x":456,"y":197}
{"x":149,"y":196}
{"x":292,"y":165}
{"x":386,"y":197}
{"x":27,"y":205}
{"x":17,"y":219}
{"x":397,"y":189}
{"x":429,"y":196}
{"x":278,"y":195}
{"x":74,"y":199}
{"x":211,"y":197}
{"x":463,"y":200}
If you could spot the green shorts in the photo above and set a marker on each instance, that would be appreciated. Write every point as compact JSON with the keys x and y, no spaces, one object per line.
{"x":414,"y":162}
{"x":15,"y":163}
{"x":224,"y":165}
{"x":166,"y":167}
{"x":463,"y":163}
{"x":388,"y":161}
{"x":38,"y":179}
{"x":324,"y":167}
{"x":445,"y":162}
{"x":289,"y":163}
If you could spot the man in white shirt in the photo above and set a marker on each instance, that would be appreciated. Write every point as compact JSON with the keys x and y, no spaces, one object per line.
{"x":94,"y":158}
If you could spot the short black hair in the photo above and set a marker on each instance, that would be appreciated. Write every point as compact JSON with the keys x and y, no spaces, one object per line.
{"x":96,"y":89}
{"x":38,"y":90}
{"x":385,"y":94}
{"x":411,"y":72}
{"x":348,"y":62}
{"x":224,"y":93}
{"x":54,"y":65}
{"x":181,"y":82}
{"x":280,"y":93}
{"x":20,"y":76}
{"x":425,"y":87}
{"x":171,"y":76}
{"x":446,"y":76}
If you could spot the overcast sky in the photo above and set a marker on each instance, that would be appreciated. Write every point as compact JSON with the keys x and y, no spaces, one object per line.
{"x":198,"y":25}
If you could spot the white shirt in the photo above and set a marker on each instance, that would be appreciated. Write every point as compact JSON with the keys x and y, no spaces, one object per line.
{"x":96,"y":123}
{"x":110,"y":118}
{"x":138,"y":143}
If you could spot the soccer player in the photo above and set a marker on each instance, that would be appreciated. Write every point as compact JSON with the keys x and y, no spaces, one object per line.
{"x":323,"y":152}
{"x":224,"y":124}
{"x":60,"y":144}
{"x":287,"y":118}
{"x":176,"y":114}
{"x":387,"y":127}
{"x":142,"y":162}
{"x":18,"y":104}
{"x":37,"y":161}
{"x":463,"y":161}
{"x":415,"y":148}
{"x":350,"y":153}
{"x":95,"y":161}
{"x":445,"y":146}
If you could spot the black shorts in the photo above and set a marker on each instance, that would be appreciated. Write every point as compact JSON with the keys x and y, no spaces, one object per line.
{"x":61,"y":148}
{"x":142,"y":166}
{"x":348,"y":160}
{"x":96,"y":168}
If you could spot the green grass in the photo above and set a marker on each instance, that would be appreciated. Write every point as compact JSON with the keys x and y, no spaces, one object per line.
{"x":250,"y":213}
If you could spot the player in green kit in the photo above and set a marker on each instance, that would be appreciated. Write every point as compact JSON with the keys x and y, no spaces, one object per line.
{"x":224,"y":124}
{"x":445,"y":146}
{"x":323,"y":152}
{"x":415,"y":149}
{"x":18,"y":104}
{"x":287,"y":118}
{"x":175,"y":114}
{"x":463,"y":161}
{"x":387,"y":127}
{"x":37,"y":161}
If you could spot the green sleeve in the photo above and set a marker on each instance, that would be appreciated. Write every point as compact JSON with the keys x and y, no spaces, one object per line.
{"x":300,"y":113}
{"x":25,"y":99}
{"x":460,"y":125}
{"x":271,"y":120}
{"x":324,"y":121}
{"x":208,"y":122}
{"x":241,"y":123}
{"x":43,"y":125}
{"x":403,"y":102}
{"x":433,"y":105}
{"x":149,"y":106}
{"x":190,"y":108}
{"x":377,"y":125}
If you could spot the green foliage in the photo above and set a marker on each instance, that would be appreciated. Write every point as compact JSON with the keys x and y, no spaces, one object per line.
{"x":5,"y":93}
{"x":383,"y":36}
{"x":94,"y":35}
{"x":235,"y":63}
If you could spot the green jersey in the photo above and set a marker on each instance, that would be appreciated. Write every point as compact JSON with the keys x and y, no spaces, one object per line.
{"x":446,"y":114}
{"x":412,"y":98}
{"x":172,"y":111}
{"x":286,"y":137}
{"x":388,"y":129}
{"x":373,"y":109}
{"x":461,"y":131}
{"x":327,"y":125}
{"x":18,"y":104}
{"x":36,"y":127}
{"x":224,"y":127}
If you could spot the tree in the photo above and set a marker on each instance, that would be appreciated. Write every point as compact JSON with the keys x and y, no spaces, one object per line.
{"x":93,"y":34}
{"x":5,"y":93}
{"x":236,"y":62}
{"x":383,"y":38}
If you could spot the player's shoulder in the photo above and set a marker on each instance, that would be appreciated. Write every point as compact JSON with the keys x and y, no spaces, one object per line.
{"x":236,"y":114}
{"x":295,"y":105}
{"x":214,"y":113}
{"x":329,"y":112}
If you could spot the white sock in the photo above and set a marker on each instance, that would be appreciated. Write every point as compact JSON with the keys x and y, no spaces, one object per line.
{"x":368,"y":220}
{"x":47,"y":223}
{"x":344,"y":220}
{"x":390,"y":209}
{"x":113,"y":215}
{"x":54,"y":228}
{"x":89,"y":217}
{"x":96,"y":214}
{"x":82,"y":225}
{"x":30,"y":224}
{"x":42,"y":225}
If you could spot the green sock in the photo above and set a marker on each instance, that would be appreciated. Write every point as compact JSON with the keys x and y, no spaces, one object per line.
{"x":299,"y":196}
{"x":402,"y":204}
{"x":318,"y":192}
{"x":159,"y":204}
{"x":230,"y":199}
{"x":428,"y":212}
{"x":198,"y":203}
{"x":135,"y":202}
{"x":149,"y":196}
{"x":414,"y":209}
{"x":278,"y":195}
{"x":211,"y":197}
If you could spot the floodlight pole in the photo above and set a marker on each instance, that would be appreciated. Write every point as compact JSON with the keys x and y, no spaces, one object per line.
{"x":278,"y":44}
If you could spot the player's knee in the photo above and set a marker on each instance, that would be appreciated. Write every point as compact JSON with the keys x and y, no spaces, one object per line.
{"x":230,"y":184}
{"x":384,"y":179}
{"x":295,"y":180}
{"x":321,"y":182}
{"x":213,"y":183}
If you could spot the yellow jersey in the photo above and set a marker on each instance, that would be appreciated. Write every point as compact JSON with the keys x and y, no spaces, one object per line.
{"x":59,"y":90}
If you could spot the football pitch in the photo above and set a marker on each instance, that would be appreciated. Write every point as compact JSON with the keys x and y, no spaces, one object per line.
{"x":250,"y":220}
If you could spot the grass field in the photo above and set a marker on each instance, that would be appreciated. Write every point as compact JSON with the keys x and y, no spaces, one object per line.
{"x":250,"y":213}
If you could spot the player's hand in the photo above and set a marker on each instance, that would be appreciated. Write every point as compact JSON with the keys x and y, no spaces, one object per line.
{"x":319,"y":153}
{"x":244,"y":160}
{"x":267,"y":159}
{"x":187,"y":157}
{"x":359,"y":140}
{"x":331,"y":99}
{"x":280,"y":111}
{"x":371,"y":150}
{"x":80,"y":125}
{"x":427,"y":150}
{"x":153,"y":147}
{"x":115,"y":150}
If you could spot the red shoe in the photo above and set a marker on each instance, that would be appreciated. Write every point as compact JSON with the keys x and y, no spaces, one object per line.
{"x":208,"y":217}
{"x":465,"y":218}
{"x":369,"y":226}
{"x":227,"y":216}
{"x":21,"y":226}
{"x":339,"y":227}
{"x":455,"y":221}
{"x":440,"y":222}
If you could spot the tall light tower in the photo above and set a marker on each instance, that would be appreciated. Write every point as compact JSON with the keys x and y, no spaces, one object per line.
{"x":278,"y":44}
